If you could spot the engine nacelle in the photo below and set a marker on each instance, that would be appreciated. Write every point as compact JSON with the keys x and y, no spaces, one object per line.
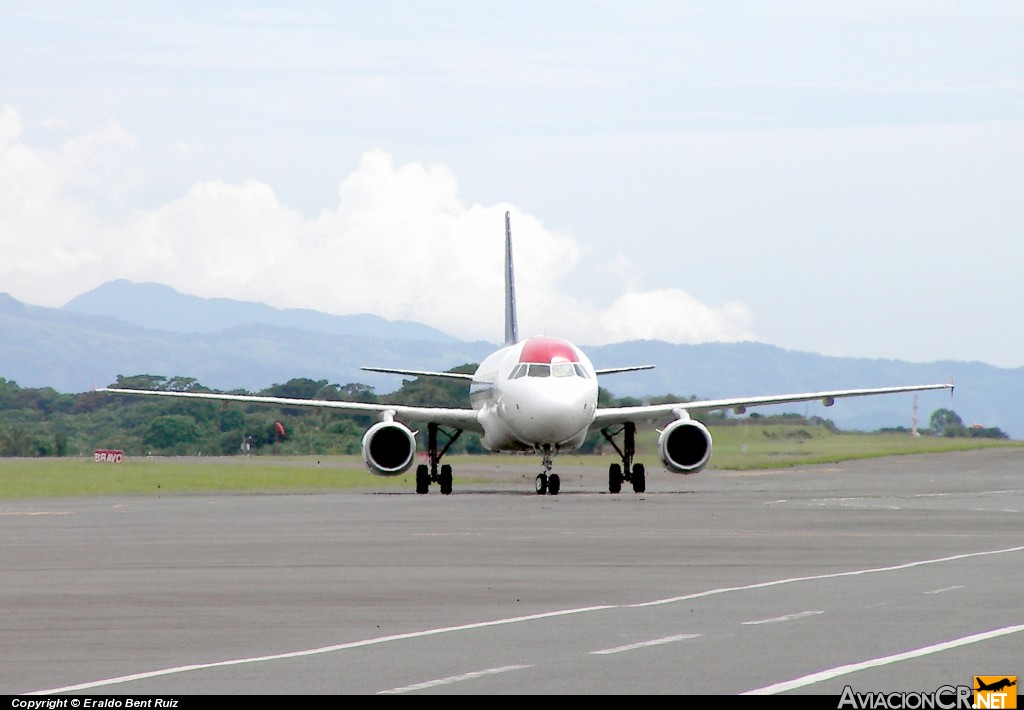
{"x":685,"y":446}
{"x":389,"y":448}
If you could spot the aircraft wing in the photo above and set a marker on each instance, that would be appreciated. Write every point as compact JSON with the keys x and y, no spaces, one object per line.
{"x":614,"y":370}
{"x":465,"y":419}
{"x":420,"y":373}
{"x":606,"y":416}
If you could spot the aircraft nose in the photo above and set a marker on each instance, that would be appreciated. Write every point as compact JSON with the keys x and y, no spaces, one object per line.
{"x":553,"y":419}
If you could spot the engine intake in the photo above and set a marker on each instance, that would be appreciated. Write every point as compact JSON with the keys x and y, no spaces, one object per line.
{"x":388,"y":448}
{"x":685,"y":446}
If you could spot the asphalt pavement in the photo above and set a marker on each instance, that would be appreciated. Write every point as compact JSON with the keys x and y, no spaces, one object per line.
{"x":898,"y":574}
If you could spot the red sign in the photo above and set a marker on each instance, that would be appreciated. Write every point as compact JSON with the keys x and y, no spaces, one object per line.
{"x":108,"y":456}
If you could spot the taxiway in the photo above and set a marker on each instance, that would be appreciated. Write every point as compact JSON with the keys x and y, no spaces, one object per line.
{"x":887,"y":574}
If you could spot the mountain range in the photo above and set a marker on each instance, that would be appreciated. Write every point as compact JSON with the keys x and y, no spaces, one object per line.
{"x":124,"y":328}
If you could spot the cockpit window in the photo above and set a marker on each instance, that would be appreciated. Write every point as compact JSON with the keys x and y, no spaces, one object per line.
{"x":543,"y":369}
{"x":562,"y":369}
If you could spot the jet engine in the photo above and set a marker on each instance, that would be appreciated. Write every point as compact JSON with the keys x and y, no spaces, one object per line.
{"x":388,"y":448}
{"x":685,"y":446}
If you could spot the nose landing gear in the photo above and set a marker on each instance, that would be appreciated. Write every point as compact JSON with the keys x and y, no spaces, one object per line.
{"x":546,"y":481}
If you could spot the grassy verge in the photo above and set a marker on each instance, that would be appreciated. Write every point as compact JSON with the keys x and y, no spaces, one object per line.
{"x":752,"y":447}
{"x":736,"y":448}
{"x":31,"y":478}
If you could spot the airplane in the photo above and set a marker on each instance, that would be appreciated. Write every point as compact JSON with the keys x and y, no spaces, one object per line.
{"x":539,"y":395}
{"x":997,"y":685}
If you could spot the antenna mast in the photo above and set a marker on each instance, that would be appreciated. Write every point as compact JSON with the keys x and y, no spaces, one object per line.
{"x":913,"y":428}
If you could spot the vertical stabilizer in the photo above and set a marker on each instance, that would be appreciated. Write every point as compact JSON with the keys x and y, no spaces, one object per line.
{"x":511,"y":326}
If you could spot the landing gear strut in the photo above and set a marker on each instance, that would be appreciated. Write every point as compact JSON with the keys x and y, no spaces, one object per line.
{"x":547,"y":482}
{"x":627,"y":471}
{"x":425,"y":475}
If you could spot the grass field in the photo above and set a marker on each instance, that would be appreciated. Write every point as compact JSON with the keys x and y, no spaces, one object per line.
{"x":29,"y":478}
{"x":736,"y":448}
{"x":751,"y":447}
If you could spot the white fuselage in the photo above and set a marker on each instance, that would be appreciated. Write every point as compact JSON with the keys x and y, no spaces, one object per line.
{"x":537,"y":393}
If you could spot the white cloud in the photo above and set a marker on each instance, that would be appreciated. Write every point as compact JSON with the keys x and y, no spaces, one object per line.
{"x":675,"y":316}
{"x":10,"y":126}
{"x":44,"y":230}
{"x":400,"y":243}
{"x":96,"y":164}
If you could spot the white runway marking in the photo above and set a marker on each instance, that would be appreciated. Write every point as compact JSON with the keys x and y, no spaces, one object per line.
{"x":780,"y":619}
{"x":451,"y":679}
{"x":883,"y":661}
{"x":644,"y":644}
{"x":500,"y":622}
{"x":315,"y":651}
{"x":945,"y":589}
{"x":834,"y":575}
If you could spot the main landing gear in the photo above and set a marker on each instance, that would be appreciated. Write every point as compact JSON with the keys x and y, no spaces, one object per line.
{"x":547,"y":482}
{"x":425,"y":475}
{"x":627,"y":471}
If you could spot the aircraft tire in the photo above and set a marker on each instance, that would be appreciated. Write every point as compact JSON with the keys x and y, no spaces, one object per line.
{"x":614,"y":478}
{"x":554,"y":484}
{"x":445,"y":480}
{"x":422,"y":479}
{"x":639,"y":478}
{"x":541,"y":484}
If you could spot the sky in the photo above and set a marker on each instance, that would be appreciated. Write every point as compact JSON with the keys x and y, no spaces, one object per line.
{"x":844,"y":178}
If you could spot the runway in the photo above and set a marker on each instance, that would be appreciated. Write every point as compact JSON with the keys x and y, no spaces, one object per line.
{"x":900,"y":574}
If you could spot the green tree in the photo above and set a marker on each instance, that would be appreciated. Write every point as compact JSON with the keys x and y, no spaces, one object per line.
{"x":17,"y":440}
{"x":185,"y":384}
{"x":232,"y":419}
{"x":980,"y":432}
{"x":356,"y":392}
{"x":170,"y":431}
{"x":60,"y":444}
{"x":434,"y":391}
{"x":946,"y":422}
{"x":141,"y":382}
{"x":299,"y":388}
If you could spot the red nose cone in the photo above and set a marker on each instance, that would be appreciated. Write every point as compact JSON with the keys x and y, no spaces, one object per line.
{"x":547,"y":350}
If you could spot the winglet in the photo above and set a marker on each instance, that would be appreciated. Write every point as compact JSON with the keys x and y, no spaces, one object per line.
{"x":511,"y":326}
